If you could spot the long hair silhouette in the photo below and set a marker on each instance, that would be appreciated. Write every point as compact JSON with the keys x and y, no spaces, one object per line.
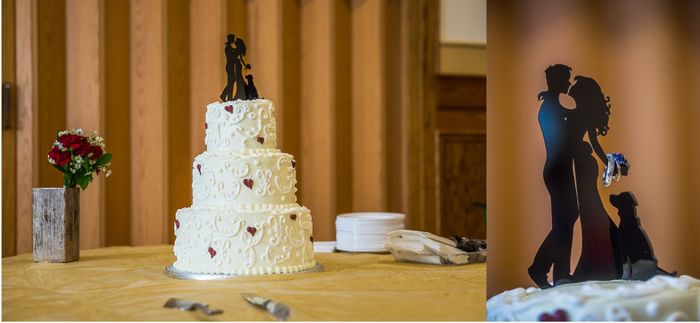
{"x":588,"y":94}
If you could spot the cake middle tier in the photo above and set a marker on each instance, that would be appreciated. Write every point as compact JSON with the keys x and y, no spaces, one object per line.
{"x":232,"y":179}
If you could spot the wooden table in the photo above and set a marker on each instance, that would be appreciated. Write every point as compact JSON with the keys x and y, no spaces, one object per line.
{"x":128,"y":283}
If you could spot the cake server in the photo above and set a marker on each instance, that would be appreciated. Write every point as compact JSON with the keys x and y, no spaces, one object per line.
{"x":278,"y":310}
{"x":185,"y":305}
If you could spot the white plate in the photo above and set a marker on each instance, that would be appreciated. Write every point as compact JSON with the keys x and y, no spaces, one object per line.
{"x":370,"y":218}
{"x":360,"y":227}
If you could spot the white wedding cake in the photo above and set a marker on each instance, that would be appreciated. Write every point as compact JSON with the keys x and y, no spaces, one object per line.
{"x":244,"y":217}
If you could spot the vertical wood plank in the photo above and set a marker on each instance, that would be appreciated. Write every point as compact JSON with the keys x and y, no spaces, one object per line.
{"x":207,"y":64}
{"x":429,"y":216}
{"x":9,"y":136}
{"x":316,"y":162}
{"x":85,"y":107}
{"x":148,"y":123}
{"x":410,"y":76}
{"x":368,"y":113}
{"x":179,"y":176}
{"x":393,"y":121}
{"x":265,"y":55}
{"x":290,"y":54}
{"x":117,"y":128}
{"x":236,"y":12}
{"x":51,"y":83}
{"x":341,"y":40}
{"x":27,"y":110}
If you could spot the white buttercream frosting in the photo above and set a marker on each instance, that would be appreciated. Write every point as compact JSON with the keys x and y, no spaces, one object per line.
{"x":244,"y":218}
{"x":658,"y":299}
{"x":240,"y":125}
{"x":230,"y":178}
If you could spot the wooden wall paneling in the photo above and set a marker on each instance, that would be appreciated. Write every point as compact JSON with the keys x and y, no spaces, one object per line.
{"x":264,"y":53}
{"x":290,"y":51}
{"x":84,"y":108}
{"x":9,"y":136}
{"x":207,"y":64}
{"x":341,"y":42}
{"x":316,"y":162}
{"x":51,"y":83}
{"x":392,"y":103}
{"x":368,"y":112}
{"x":177,"y":100}
{"x":236,"y":12}
{"x":27,"y":120}
{"x":410,"y":78}
{"x":461,"y":182}
{"x":117,"y":121}
{"x":148,"y":122}
{"x":429,"y":213}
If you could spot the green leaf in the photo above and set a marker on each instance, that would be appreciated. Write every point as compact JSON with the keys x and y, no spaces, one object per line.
{"x":59,"y":168}
{"x":104,"y":159}
{"x":83,"y":181}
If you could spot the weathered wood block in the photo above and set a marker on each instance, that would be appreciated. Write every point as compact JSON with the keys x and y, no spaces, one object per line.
{"x":56,"y":224}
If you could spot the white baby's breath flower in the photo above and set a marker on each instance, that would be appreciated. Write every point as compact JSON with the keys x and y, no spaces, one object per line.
{"x":72,"y":170}
{"x":78,"y":159}
{"x":79,"y":131}
{"x":92,"y":162}
{"x":51,"y":161}
{"x":109,"y":172}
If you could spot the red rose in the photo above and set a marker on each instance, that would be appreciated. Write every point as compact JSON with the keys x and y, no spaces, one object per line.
{"x":96,"y":152}
{"x":72,"y":141}
{"x":61,"y":158}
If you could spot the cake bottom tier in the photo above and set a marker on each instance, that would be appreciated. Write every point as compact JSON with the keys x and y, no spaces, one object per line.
{"x":662,"y":298}
{"x":264,"y":239}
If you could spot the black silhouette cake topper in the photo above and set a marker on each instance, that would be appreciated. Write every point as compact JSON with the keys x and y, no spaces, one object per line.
{"x":570,"y":174}
{"x":237,"y":87}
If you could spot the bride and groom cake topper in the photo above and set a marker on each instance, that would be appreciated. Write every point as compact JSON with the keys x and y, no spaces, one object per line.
{"x":608,"y":251}
{"x":236,"y":87}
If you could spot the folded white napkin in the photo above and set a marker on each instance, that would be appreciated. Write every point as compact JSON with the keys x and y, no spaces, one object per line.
{"x":425,"y":247}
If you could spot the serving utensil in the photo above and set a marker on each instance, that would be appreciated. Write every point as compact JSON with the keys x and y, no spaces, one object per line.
{"x":280,"y":311}
{"x":185,"y":305}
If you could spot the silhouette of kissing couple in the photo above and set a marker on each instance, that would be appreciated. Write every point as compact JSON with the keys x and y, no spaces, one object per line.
{"x":236,"y":88}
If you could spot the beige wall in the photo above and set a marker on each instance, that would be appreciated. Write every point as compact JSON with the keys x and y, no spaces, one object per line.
{"x":462,"y":48}
{"x":644,"y":55}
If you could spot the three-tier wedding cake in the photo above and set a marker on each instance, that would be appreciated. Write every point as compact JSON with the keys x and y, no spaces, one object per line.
{"x":244,"y":217}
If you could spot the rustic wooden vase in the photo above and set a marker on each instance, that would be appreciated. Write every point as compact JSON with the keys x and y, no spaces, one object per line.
{"x":56,"y":224}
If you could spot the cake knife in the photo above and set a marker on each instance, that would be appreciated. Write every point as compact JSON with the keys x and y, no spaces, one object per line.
{"x":278,"y":310}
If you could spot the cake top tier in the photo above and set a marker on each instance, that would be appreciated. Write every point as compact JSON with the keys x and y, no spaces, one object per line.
{"x":241,"y":125}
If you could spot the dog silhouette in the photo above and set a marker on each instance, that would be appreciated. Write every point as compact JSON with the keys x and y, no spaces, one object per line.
{"x":250,"y":90}
{"x":638,"y":260}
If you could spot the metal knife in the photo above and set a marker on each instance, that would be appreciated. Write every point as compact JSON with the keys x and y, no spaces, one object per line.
{"x":278,"y":310}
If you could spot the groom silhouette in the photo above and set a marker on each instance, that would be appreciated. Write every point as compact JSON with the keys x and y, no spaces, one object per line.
{"x":559,"y":178}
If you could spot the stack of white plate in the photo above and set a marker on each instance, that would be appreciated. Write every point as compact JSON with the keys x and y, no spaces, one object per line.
{"x":365,"y":231}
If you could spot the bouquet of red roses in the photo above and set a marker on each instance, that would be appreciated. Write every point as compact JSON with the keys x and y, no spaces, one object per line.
{"x":78,"y":156}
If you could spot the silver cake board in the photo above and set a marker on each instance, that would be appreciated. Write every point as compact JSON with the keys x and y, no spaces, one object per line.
{"x":170,"y":271}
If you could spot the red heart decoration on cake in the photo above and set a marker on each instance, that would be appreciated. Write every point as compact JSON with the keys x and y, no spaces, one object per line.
{"x":199,"y":169}
{"x":251,"y":230}
{"x":294,"y":163}
{"x":229,"y":108}
{"x":248,"y":182}
{"x":206,"y":125}
{"x":293,"y":216}
{"x":212,"y":252}
{"x":261,"y":140}
{"x":177,"y":224}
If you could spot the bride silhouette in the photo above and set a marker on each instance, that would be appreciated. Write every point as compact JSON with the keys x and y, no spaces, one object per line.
{"x":600,"y":258}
